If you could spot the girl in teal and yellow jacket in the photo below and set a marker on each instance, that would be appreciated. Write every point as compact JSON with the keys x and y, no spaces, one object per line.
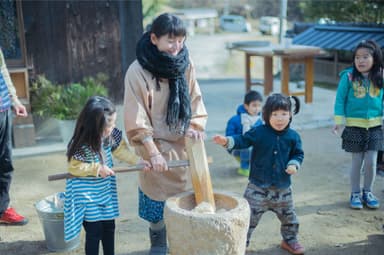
{"x":359,"y":104}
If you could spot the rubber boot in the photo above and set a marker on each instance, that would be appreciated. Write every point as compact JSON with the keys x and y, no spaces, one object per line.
{"x":158,"y":242}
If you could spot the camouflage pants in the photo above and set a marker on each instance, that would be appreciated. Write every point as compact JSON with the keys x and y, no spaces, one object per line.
{"x":278,"y":201}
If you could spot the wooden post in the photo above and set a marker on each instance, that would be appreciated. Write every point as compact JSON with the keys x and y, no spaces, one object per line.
{"x":285,"y":76}
{"x":198,"y":165}
{"x":268,"y":75}
{"x":248,"y":78}
{"x":308,"y":79}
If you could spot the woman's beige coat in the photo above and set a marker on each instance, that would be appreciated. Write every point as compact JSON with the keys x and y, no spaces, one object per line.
{"x":145,"y":110}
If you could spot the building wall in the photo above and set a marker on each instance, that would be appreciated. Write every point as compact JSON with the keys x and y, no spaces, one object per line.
{"x":70,"y":40}
{"x":328,"y":71}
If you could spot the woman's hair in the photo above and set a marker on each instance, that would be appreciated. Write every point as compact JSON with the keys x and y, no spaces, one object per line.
{"x":376,"y":72}
{"x":90,"y":125}
{"x":277,"y":102}
{"x":168,"y":24}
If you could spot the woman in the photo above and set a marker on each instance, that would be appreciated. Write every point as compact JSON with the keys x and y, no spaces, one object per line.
{"x":162,"y":104}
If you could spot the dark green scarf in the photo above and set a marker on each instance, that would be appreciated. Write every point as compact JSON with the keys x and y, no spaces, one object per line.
{"x":164,"y":65}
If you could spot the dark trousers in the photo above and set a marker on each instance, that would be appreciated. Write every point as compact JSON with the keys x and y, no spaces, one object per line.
{"x":97,"y":231}
{"x":6,"y":168}
{"x":244,"y":155}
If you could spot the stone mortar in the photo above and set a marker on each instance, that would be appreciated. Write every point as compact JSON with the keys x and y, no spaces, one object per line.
{"x":194,"y":233}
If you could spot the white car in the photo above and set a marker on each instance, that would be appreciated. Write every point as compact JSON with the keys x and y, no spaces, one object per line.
{"x":269,"y":25}
{"x":234,"y":23}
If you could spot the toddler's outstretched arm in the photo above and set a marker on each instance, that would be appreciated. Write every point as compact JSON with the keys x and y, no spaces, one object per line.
{"x":221,"y":140}
{"x":291,"y":169}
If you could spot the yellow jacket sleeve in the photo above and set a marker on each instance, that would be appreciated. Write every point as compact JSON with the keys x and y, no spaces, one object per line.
{"x":82,"y":169}
{"x":124,"y":153}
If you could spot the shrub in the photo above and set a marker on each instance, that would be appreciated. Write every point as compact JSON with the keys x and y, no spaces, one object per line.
{"x":64,"y":102}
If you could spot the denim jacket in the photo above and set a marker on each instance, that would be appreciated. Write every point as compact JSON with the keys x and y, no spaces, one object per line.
{"x":272,"y":152}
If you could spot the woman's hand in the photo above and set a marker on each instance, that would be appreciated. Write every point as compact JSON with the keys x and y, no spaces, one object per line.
{"x":145,"y":163}
{"x":105,"y":171}
{"x":156,"y":159}
{"x":158,"y":163}
{"x":291,"y":169}
{"x":221,"y":140}
{"x":195,"y":134}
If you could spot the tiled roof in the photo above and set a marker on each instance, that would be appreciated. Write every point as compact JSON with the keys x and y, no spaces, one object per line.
{"x":340,"y":37}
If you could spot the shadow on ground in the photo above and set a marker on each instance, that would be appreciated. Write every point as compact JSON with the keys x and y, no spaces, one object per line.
{"x":39,"y":248}
{"x":23,"y":248}
{"x":373,"y":245}
{"x":134,"y":253}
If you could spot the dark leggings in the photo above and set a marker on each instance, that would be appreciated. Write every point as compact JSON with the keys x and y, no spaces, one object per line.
{"x":6,"y":167}
{"x":103,"y":231}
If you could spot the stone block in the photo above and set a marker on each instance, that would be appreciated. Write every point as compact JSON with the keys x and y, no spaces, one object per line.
{"x":23,"y":135}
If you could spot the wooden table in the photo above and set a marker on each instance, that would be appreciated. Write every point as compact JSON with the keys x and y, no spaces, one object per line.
{"x":288,"y":55}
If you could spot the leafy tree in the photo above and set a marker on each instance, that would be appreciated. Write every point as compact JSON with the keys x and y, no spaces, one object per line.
{"x":344,"y":10}
{"x":151,"y":8}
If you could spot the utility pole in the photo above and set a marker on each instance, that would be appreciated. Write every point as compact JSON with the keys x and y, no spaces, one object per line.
{"x":283,"y":20}
{"x":226,"y":7}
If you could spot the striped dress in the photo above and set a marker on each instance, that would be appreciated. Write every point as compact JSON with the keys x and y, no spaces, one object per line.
{"x":91,"y":198}
{"x":5,"y":84}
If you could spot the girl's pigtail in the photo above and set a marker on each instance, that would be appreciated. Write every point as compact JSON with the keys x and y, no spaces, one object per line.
{"x":296,"y":104}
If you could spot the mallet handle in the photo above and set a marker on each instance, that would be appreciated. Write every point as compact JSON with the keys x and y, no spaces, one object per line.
{"x":133,"y":168}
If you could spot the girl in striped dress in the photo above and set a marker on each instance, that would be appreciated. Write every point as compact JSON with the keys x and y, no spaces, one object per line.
{"x":91,"y":197}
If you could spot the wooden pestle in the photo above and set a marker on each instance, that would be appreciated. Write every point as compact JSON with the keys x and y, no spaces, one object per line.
{"x":198,"y":166}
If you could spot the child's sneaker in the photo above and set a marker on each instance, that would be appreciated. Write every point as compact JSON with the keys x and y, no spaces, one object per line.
{"x":370,"y":200}
{"x":11,"y":217}
{"x":243,"y":172}
{"x":293,"y":247}
{"x":355,"y":202}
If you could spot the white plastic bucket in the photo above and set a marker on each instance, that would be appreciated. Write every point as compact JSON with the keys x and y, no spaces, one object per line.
{"x":51,"y":215}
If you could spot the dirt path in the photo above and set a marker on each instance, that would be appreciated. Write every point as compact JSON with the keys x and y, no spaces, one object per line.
{"x":328,"y":226}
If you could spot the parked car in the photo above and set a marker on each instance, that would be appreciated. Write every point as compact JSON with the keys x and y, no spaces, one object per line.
{"x":234,"y":23}
{"x":269,"y":25}
{"x":323,"y":21}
